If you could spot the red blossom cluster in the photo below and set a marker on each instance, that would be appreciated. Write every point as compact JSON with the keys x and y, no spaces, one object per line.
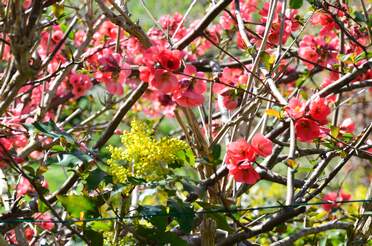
{"x":333,"y":197}
{"x":309,"y":120}
{"x":241,"y":155}
{"x":29,"y":231}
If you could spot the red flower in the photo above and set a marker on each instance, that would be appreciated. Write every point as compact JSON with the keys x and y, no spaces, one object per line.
{"x":307,"y":130}
{"x":188,"y":98}
{"x":189,"y":92}
{"x":231,"y":98}
{"x":244,"y":173}
{"x":239,"y":151}
{"x":24,"y":186}
{"x":28,"y":232}
{"x":319,"y":110}
{"x":262,"y":145}
{"x":347,"y":125}
{"x":295,"y":108}
{"x":80,"y":84}
{"x":47,"y":224}
{"x":333,"y":197}
{"x":170,"y":59}
{"x":164,"y":81}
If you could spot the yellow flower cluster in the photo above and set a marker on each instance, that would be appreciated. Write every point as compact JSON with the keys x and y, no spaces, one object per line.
{"x":143,"y":156}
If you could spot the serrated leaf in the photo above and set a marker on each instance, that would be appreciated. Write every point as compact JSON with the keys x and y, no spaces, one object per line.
{"x":156,"y":215}
{"x":183,"y":214}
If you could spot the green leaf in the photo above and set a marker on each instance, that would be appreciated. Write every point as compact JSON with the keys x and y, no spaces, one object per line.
{"x":156,"y":215}
{"x":347,"y":136}
{"x":49,"y":129}
{"x":75,"y":205}
{"x":68,"y":160}
{"x":95,"y":177}
{"x":84,"y":103}
{"x":31,"y":171}
{"x":267,"y":60}
{"x":58,"y":148}
{"x":100,"y":226}
{"x":190,"y":157}
{"x":157,"y":237}
{"x":71,"y":159}
{"x":216,"y":151}
{"x":58,"y":10}
{"x":136,"y":181}
{"x":42,"y":207}
{"x":335,"y":131}
{"x":183,"y":214}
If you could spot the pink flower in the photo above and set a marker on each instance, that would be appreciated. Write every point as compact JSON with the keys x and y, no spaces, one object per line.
{"x":112,"y":71}
{"x":231,"y":98}
{"x":319,"y":110}
{"x":239,"y":151}
{"x":164,"y":81}
{"x":7,"y":145}
{"x":262,"y":145}
{"x":230,"y":76}
{"x":325,"y":20}
{"x":24,"y":186}
{"x":335,"y":197}
{"x":170,"y":59}
{"x":80,"y":84}
{"x":244,"y":173}
{"x":48,"y":224}
{"x":347,"y":125}
{"x":188,"y":98}
{"x":307,"y":129}
{"x":190,"y":90}
{"x":295,"y":108}
{"x":28,"y":232}
{"x":309,"y":54}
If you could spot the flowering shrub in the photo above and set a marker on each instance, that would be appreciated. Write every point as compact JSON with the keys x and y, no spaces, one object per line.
{"x":212,"y":123}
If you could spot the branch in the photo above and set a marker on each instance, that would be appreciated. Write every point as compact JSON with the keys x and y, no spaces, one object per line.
{"x":123,"y":110}
{"x":277,"y":219}
{"x":199,"y":29}
{"x":313,"y":230}
{"x":344,"y":80}
{"x":125,"y":22}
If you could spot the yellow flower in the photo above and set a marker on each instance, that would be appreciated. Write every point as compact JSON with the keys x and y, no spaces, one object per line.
{"x":142,"y":155}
